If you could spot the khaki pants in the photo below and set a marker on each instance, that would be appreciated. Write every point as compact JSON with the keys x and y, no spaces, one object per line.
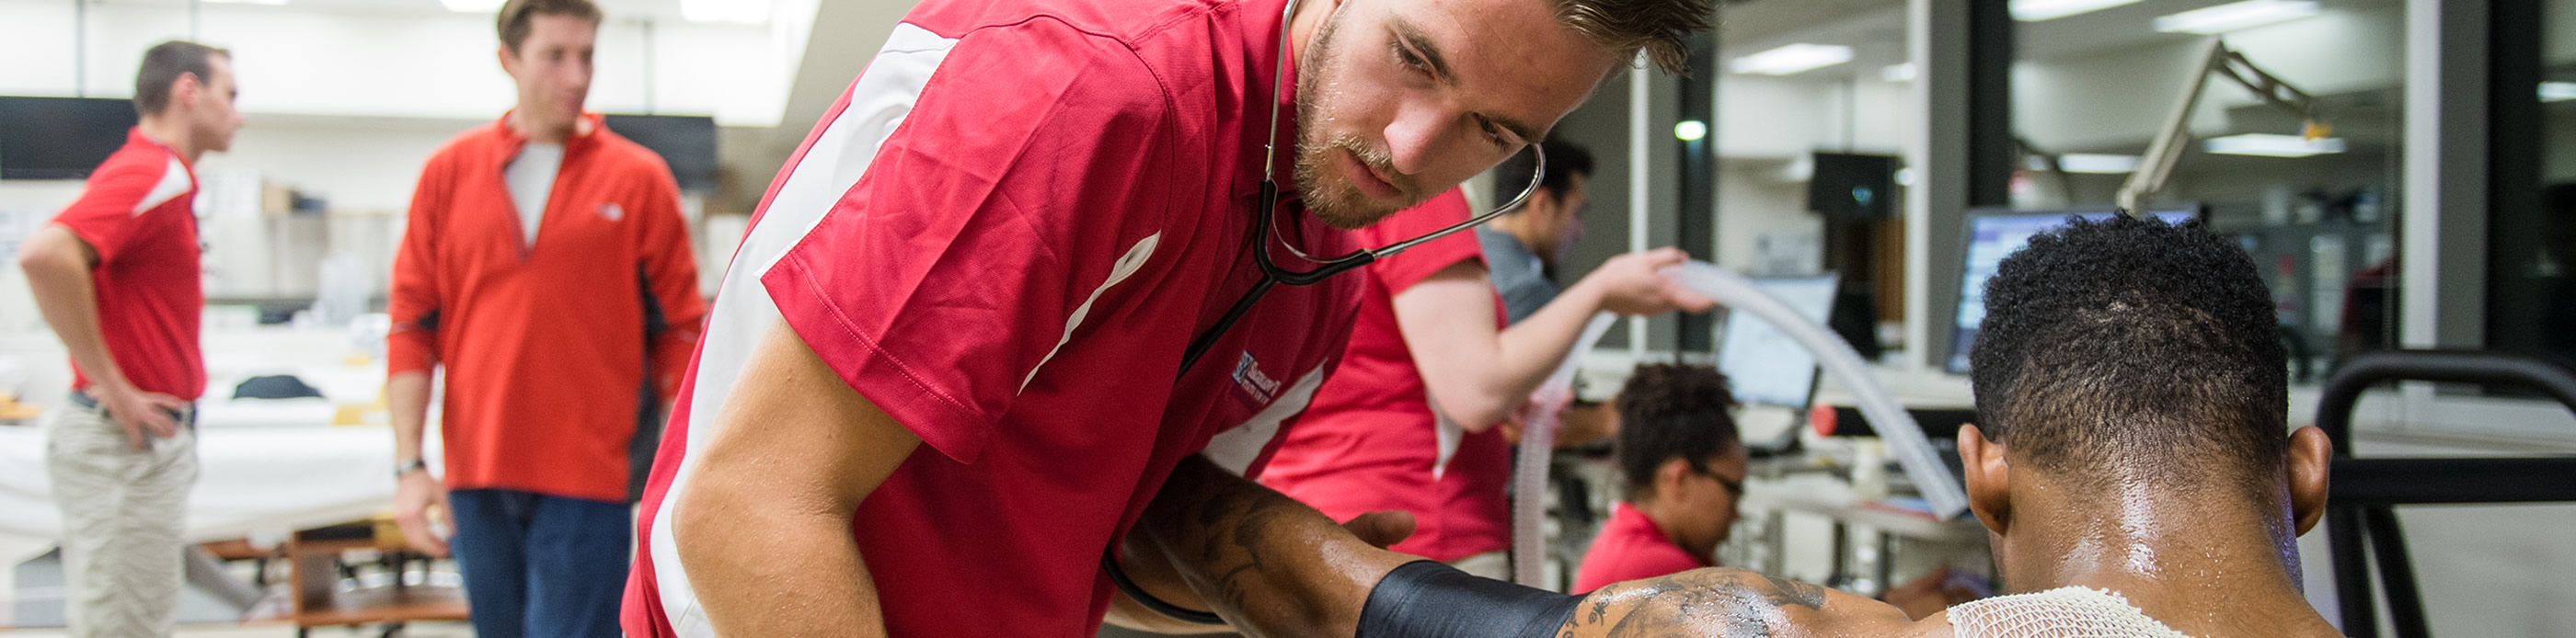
{"x":122,"y":512}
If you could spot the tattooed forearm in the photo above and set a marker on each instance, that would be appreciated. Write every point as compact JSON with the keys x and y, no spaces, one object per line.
{"x":1223,"y":525}
{"x":1260,"y":558}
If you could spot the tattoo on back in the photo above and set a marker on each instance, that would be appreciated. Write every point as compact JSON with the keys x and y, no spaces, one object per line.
{"x":1741,"y":603}
{"x":1789,"y":592}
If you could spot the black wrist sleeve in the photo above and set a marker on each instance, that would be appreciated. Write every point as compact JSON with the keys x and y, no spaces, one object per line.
{"x":1425,"y":599}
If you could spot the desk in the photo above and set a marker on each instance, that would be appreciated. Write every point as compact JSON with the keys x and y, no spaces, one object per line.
{"x":252,"y":482}
{"x":257,"y":482}
{"x":1818,"y":493}
{"x":315,"y":559}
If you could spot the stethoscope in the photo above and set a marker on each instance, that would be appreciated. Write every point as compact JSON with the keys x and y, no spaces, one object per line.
{"x":1273,"y":274}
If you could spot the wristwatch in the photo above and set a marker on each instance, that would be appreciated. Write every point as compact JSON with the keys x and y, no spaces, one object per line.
{"x":408,"y":467}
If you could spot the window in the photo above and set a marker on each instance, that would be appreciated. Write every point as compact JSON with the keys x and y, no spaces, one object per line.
{"x":2306,"y":181}
{"x":2531,"y":252}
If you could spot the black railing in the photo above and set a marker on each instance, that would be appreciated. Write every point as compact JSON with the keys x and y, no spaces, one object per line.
{"x":2360,"y":503}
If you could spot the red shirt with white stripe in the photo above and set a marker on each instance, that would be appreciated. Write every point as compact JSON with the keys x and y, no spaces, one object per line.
{"x":1372,"y":441}
{"x":1004,"y":235}
{"x":138,"y":211}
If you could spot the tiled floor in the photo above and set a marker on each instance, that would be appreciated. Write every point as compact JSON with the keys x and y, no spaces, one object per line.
{"x":34,"y":597}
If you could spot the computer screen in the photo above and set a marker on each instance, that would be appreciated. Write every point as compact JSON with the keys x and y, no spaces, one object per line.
{"x":1762,"y":365}
{"x":686,"y":143}
{"x":60,"y":137}
{"x":1992,"y":236}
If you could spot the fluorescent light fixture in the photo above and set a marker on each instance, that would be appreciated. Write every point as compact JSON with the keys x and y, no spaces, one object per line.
{"x":1792,"y":59}
{"x":1690,"y":130}
{"x":2038,"y":10}
{"x":265,"y":2}
{"x":2274,"y":145}
{"x":2236,"y":15}
{"x":2097,"y":163}
{"x":471,"y":6}
{"x":1902,"y":72}
{"x":734,"y":11}
{"x":2093,"y":163}
{"x":2557,"y":91}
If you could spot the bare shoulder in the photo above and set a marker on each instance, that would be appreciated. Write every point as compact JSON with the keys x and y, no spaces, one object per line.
{"x":1735,"y":602}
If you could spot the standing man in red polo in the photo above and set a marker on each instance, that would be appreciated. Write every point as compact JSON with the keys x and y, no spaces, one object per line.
{"x":1408,"y":423}
{"x":546,"y":269}
{"x":116,"y":275}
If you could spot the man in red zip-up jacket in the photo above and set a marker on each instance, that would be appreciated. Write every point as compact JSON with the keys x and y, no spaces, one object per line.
{"x":547,"y":269}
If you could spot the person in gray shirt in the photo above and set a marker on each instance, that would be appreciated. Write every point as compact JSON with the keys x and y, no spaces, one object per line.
{"x":1522,"y":245}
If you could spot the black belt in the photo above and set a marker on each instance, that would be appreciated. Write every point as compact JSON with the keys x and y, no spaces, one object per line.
{"x":187,"y":418}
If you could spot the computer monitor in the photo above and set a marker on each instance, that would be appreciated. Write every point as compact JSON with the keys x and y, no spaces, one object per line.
{"x":686,"y":143}
{"x":1996,"y":234}
{"x":1762,"y":365}
{"x":60,"y":137}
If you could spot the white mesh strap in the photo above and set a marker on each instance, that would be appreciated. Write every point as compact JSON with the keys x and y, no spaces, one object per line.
{"x":2065,"y":612}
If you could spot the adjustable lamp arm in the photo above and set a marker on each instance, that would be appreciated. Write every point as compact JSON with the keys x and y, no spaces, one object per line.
{"x":2158,"y":163}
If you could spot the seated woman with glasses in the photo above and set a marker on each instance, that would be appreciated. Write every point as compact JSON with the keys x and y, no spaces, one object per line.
{"x":1683,"y":465}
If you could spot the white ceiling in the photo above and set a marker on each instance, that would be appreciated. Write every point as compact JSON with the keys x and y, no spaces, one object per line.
{"x":1876,"y":29}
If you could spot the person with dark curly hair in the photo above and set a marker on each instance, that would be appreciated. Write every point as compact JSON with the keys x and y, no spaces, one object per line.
{"x":2132,"y":434}
{"x":1683,"y":464}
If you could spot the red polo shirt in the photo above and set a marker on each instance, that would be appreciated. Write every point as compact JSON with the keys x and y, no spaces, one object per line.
{"x":1631,"y":547}
{"x":1004,"y":235}
{"x":138,"y":213}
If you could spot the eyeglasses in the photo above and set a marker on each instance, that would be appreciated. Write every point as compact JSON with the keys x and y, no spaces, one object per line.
{"x":1734,"y":486}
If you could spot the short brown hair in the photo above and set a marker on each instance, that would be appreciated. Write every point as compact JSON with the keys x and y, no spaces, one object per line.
{"x":1661,"y":28}
{"x":517,"y":14}
{"x":163,"y":64}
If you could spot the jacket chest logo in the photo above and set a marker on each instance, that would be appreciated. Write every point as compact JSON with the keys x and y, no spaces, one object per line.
{"x":612,"y":211}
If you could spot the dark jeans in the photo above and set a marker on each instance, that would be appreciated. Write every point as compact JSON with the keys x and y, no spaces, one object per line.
{"x":540,"y":565}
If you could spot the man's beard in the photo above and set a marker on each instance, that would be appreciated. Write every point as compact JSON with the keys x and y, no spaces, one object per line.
{"x":1342,"y":205}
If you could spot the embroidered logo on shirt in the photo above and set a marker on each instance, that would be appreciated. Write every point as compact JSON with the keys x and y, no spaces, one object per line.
{"x":612,"y":212}
{"x":1259,"y":388}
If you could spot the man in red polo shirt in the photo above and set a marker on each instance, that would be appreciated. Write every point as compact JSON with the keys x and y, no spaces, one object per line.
{"x":944,"y":374}
{"x":546,"y":268}
{"x":1408,"y":423}
{"x":116,"y":276}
